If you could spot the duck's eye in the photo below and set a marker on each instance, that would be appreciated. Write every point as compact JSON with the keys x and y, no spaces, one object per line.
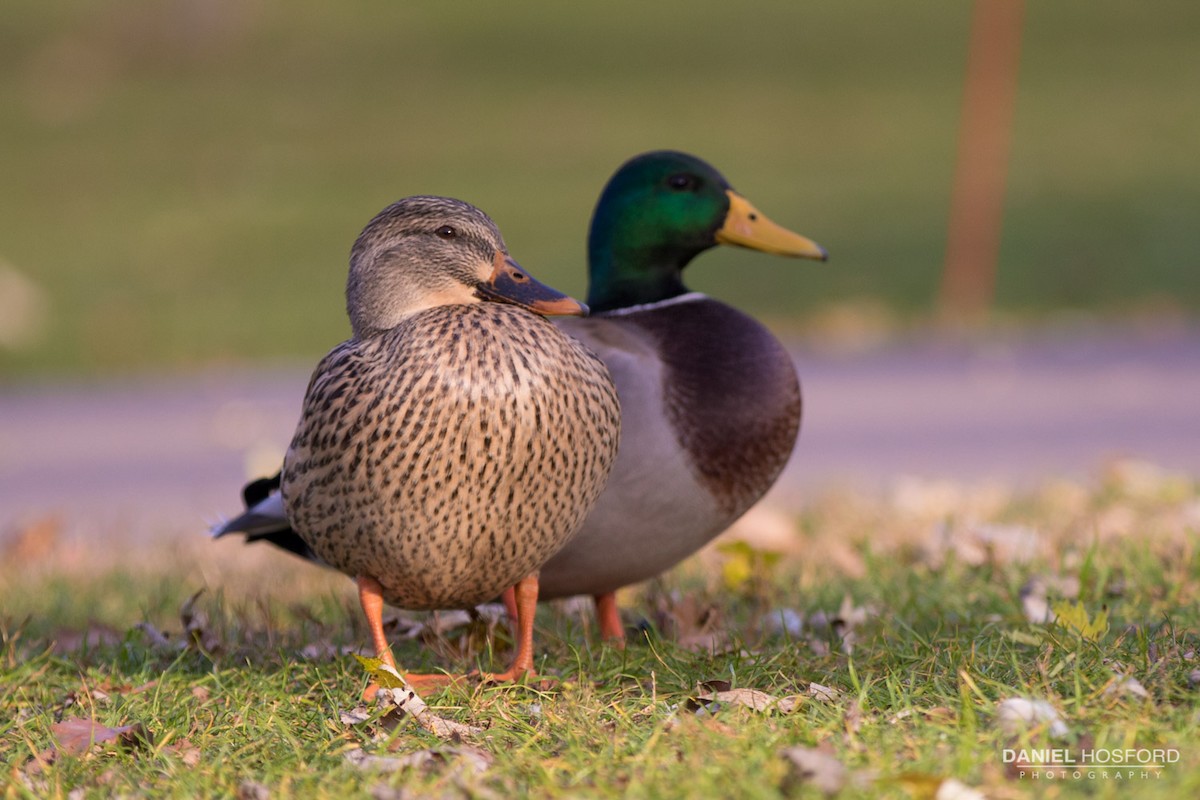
{"x":446,"y":232}
{"x":682,"y":182}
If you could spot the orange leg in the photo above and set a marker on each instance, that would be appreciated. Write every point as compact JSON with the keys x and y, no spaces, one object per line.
{"x":609,"y":618}
{"x":509,"y":598}
{"x":370,"y":595}
{"x":525,"y":600}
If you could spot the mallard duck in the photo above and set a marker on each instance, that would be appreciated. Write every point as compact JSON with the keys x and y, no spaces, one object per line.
{"x":458,"y":439}
{"x":710,"y":399}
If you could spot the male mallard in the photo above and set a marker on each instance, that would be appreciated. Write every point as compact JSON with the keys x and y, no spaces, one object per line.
{"x":452,"y":444}
{"x":710,"y":401}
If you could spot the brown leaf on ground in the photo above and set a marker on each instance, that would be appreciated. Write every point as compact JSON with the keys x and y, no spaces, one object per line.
{"x":460,"y":760}
{"x":381,"y":725}
{"x":952,"y":789}
{"x":76,"y":736}
{"x":854,"y":718}
{"x":1018,"y":715}
{"x":40,"y":761}
{"x":96,"y":635}
{"x":409,"y":703}
{"x":1121,"y":685}
{"x":810,"y":767}
{"x":720,"y":693}
{"x":185,"y":751}
{"x":252,"y":790}
{"x":1037,"y":592}
{"x":401,"y":700}
{"x":919,"y":785}
{"x":820,"y":692}
{"x":939,"y":714}
{"x":355,"y":716}
{"x":106,"y":688}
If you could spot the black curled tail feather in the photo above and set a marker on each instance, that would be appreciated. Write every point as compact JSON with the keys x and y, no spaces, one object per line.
{"x":264,"y":520}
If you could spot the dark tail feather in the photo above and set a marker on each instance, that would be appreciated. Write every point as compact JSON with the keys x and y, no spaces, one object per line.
{"x":265,"y":521}
{"x":255,"y":492}
{"x":287,"y":539}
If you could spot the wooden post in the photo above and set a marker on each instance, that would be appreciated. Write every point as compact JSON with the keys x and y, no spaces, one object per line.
{"x":985,"y":132}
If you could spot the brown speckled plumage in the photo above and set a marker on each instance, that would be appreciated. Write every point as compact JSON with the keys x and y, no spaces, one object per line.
{"x":451,"y":455}
{"x":458,"y":439}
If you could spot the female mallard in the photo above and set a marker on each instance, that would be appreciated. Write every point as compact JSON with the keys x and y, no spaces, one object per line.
{"x":710,"y":402}
{"x":456,"y":441}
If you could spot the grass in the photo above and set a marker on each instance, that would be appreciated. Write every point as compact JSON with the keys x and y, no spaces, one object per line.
{"x":918,"y":612}
{"x":181,"y":182}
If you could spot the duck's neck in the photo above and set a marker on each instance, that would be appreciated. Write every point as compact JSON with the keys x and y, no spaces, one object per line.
{"x":629,"y":264}
{"x":617,"y":280}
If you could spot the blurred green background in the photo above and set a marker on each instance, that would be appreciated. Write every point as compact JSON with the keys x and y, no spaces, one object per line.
{"x":180,"y":181}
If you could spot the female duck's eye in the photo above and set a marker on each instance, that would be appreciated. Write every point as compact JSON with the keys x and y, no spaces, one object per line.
{"x":682,"y":182}
{"x":446,"y":232}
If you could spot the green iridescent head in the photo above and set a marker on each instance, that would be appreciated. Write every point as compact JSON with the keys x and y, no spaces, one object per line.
{"x":658,"y":212}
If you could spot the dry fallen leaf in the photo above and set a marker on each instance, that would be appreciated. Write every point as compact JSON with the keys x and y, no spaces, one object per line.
{"x":96,"y":635}
{"x":355,"y":716}
{"x":252,"y":790}
{"x":953,"y":789}
{"x":76,"y":735}
{"x":1035,"y":603}
{"x":920,"y":785}
{"x":104,"y":689}
{"x":40,"y":761}
{"x":461,"y":759}
{"x":185,"y":751}
{"x":411,"y":704}
{"x":1127,"y":686}
{"x":1018,"y":714}
{"x":1074,"y":617}
{"x":395,"y":693}
{"x":807,"y":766}
{"x":821,"y":692}
{"x":939,"y":714}
{"x":719,"y":692}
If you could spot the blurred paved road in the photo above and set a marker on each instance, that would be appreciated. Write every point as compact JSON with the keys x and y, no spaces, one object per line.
{"x":164,"y":457}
